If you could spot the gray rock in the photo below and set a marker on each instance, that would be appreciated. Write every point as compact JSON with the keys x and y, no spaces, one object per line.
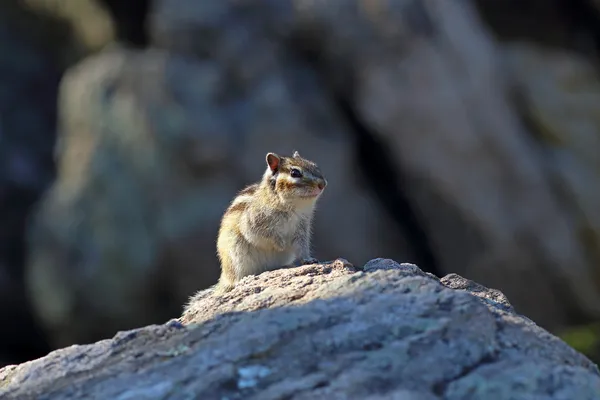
{"x":328,"y":330}
{"x":493,"y":296}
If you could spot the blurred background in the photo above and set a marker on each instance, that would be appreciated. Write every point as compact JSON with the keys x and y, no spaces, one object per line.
{"x":463,"y":136}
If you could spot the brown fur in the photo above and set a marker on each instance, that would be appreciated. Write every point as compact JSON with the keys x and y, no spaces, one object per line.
{"x":251,"y":189}
{"x":237,"y":207}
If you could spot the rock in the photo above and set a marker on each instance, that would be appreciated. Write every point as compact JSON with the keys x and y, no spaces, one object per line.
{"x":327,"y":330}
{"x":495,"y":297}
{"x":562,"y":105}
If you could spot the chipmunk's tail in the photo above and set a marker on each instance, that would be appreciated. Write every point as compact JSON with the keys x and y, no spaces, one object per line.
{"x":223,"y":286}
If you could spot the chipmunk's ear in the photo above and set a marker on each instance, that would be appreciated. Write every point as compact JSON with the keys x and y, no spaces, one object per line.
{"x":296,"y":154}
{"x":273,"y":161}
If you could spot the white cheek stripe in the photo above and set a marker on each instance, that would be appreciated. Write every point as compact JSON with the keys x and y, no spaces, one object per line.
{"x":288,"y":178}
{"x":307,"y":174}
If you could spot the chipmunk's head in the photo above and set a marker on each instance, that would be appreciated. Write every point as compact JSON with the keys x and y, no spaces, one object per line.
{"x":295,"y":178}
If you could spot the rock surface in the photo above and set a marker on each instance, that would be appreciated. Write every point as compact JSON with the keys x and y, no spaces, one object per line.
{"x":331,"y":330}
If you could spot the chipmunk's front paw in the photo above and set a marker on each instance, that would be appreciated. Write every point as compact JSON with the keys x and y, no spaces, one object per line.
{"x":308,"y":261}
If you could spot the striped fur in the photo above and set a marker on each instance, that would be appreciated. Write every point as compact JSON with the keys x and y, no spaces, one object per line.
{"x":268,"y":224}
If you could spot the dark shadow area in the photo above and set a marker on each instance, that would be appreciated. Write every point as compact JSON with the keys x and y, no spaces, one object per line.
{"x":388,"y":187}
{"x":569,"y":24}
{"x":130,"y":20}
{"x":22,"y":339}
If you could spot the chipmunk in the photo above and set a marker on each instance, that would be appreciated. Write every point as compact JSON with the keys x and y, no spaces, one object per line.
{"x":268,"y":225}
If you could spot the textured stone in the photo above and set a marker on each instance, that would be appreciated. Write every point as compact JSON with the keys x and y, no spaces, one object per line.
{"x":327,"y":330}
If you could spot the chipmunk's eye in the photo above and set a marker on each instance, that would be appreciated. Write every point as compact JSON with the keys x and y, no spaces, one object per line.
{"x":295,"y":173}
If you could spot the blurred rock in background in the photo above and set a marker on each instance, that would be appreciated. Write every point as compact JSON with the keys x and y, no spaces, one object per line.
{"x":33,"y":48}
{"x":39,"y":39}
{"x":461,"y":136}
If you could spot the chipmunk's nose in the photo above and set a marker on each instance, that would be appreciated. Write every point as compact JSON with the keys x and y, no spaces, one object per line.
{"x":322,"y":183}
